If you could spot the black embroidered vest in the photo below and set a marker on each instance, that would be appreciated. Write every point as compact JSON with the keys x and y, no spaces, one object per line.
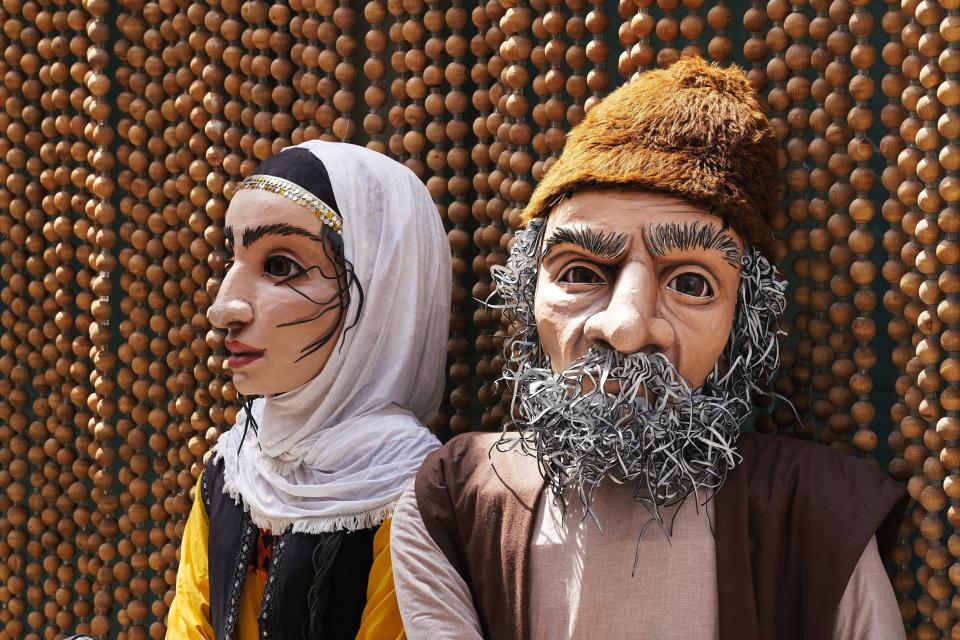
{"x":285,"y":607}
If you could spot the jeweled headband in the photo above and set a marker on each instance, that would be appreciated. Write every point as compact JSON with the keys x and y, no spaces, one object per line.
{"x":299,"y":176}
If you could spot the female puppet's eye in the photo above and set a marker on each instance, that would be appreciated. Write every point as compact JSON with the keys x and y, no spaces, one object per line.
{"x":581,"y":275}
{"x":691,"y":284}
{"x":281,"y":267}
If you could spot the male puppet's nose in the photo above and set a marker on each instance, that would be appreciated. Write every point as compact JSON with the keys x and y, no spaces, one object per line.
{"x":230,"y":309}
{"x":630,"y":323}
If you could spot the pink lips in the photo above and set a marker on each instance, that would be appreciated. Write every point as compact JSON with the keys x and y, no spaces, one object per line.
{"x":241,"y":354}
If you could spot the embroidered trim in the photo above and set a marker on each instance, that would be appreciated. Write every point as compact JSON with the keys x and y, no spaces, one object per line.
{"x":266,"y":621}
{"x":296,"y":193}
{"x":205,"y":486}
{"x":248,"y":543}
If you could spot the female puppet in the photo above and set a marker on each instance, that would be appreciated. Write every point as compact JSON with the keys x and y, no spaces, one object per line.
{"x":336,"y":312}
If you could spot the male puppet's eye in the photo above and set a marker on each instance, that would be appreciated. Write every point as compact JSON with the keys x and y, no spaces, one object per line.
{"x":581,"y":275}
{"x":691,"y":284}
{"x":281,"y":267}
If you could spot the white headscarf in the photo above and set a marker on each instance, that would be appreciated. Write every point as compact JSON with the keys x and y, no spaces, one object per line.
{"x":337,"y":452}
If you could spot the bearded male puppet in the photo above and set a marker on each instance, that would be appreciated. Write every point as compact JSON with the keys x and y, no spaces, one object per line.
{"x":629,"y":502}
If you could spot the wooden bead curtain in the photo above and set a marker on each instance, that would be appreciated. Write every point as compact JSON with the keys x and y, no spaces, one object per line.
{"x":125,"y":128}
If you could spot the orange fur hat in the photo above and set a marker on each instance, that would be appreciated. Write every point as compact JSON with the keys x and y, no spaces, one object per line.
{"x":694,"y":130}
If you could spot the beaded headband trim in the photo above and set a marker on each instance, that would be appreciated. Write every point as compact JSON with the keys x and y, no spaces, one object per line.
{"x":296,"y":193}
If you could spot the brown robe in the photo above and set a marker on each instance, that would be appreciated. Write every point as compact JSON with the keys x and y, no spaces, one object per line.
{"x":792,"y":521}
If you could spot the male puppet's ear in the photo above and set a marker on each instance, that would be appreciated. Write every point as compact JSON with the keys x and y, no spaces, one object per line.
{"x":695,"y":130}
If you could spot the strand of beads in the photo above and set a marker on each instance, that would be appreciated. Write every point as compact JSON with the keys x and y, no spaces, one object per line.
{"x":894,"y":299}
{"x":755,"y":49}
{"x":555,"y":80}
{"x":778,"y":101}
{"x":544,"y":27}
{"x":911,"y":283}
{"x":576,"y":57}
{"x":282,"y":94}
{"x":80,"y":491}
{"x":54,"y":47}
{"x":328,"y":62}
{"x":797,"y":57}
{"x":170,"y":129}
{"x":134,"y":402}
{"x":374,"y":69}
{"x":598,"y":51}
{"x":935,"y":602}
{"x":719,"y":18}
{"x":948,"y":427}
{"x":667,"y":30}
{"x":224,"y":410}
{"x":43,"y":470}
{"x":821,"y":356}
{"x":205,"y":214}
{"x":209,"y":416}
{"x":28,"y":159}
{"x":100,"y":185}
{"x":839,"y":226}
{"x":642,"y":53}
{"x":183,"y":117}
{"x":459,"y":212}
{"x":172,"y":71}
{"x":415,"y":88}
{"x":344,"y":100}
{"x":59,"y":528}
{"x":498,"y":209}
{"x":398,"y":86}
{"x":626,"y":9}
{"x":861,"y":241}
{"x":305,"y":56}
{"x":485,"y":320}
{"x":436,"y":133}
{"x":17,"y":321}
{"x":513,"y":132}
{"x":692,"y":27}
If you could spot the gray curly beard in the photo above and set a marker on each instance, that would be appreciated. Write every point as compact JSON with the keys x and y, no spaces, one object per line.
{"x":654,"y":430}
{"x":633,"y":418}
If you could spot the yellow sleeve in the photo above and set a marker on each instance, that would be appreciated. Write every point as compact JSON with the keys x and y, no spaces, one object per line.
{"x":381,"y":617}
{"x":189,"y":616}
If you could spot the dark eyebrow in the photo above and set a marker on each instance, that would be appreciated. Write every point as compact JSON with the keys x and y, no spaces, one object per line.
{"x":282,"y":229}
{"x":670,"y":236}
{"x":603,"y":244}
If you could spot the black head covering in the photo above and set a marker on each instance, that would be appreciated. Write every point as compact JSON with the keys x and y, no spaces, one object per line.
{"x":304,"y":169}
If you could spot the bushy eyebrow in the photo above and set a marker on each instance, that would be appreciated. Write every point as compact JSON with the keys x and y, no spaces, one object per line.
{"x":670,"y":236}
{"x":603,"y":244}
{"x":251,"y":235}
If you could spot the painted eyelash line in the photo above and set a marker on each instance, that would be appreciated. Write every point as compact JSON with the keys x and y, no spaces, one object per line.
{"x":666,"y":237}
{"x":603,"y":244}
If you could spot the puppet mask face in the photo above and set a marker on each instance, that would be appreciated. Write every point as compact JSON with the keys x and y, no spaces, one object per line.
{"x":643,"y":329}
{"x":637,"y":272}
{"x":283,"y":292}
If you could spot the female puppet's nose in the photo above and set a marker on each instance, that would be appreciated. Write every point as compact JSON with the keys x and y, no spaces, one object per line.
{"x":230,"y":309}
